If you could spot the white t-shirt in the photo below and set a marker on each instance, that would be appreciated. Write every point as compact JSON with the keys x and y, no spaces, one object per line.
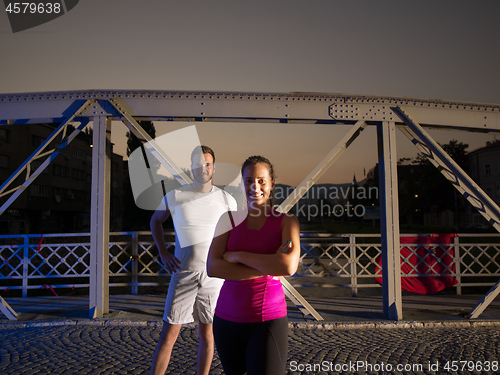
{"x":195,"y":217}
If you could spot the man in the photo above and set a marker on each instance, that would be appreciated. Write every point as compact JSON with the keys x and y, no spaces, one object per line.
{"x":196,"y":209}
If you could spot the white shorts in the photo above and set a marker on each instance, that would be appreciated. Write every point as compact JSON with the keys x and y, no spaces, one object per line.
{"x":191,"y":295}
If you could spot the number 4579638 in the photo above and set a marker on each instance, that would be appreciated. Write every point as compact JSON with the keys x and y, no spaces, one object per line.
{"x":33,"y":8}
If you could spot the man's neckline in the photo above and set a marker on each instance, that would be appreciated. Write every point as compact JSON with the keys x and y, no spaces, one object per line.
{"x":200,"y":192}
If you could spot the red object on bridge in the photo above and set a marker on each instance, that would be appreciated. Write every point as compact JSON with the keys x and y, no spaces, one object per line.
{"x":424,"y":256}
{"x":47,"y":286}
{"x":39,"y":247}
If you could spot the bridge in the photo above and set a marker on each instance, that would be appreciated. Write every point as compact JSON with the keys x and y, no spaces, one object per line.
{"x":411,"y":116}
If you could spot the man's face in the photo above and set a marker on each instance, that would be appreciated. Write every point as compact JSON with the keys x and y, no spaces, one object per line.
{"x":202,"y":168}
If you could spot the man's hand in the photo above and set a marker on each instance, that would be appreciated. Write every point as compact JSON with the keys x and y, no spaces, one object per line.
{"x":172,"y":264}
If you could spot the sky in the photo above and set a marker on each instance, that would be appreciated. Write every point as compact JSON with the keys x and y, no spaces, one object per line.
{"x":444,"y":50}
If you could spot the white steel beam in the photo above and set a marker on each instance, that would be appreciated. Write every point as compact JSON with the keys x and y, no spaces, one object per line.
{"x":485,"y":301}
{"x":7,"y":310}
{"x":99,"y":218}
{"x":299,"y":301}
{"x":261,"y":107}
{"x":389,"y":221}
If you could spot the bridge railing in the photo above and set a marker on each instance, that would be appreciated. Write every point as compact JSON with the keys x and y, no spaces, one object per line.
{"x":55,"y":261}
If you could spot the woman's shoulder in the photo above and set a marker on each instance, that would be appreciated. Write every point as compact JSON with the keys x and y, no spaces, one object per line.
{"x":283,"y":216}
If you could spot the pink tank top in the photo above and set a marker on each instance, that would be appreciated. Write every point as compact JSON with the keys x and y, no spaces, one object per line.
{"x":260,"y":299}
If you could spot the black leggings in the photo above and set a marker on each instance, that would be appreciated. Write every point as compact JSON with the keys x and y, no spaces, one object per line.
{"x":255,"y":348}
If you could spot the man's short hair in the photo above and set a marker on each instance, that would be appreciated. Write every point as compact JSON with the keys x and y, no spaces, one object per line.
{"x":202,"y":150}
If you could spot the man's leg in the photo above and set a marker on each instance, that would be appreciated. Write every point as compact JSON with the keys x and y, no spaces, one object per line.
{"x":206,"y":348}
{"x":163,"y":350}
{"x":205,"y":306}
{"x":179,"y":305}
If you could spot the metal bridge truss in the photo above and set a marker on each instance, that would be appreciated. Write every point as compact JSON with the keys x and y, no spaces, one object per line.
{"x":386,"y":113}
{"x":460,"y":180}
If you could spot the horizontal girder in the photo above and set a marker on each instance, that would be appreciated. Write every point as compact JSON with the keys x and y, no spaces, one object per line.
{"x":52,"y":107}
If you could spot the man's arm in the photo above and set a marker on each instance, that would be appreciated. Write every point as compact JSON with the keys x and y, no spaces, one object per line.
{"x":156,"y":223}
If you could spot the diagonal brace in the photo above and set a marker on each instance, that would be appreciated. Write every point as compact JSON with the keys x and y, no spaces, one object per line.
{"x":39,"y":152}
{"x":150,"y":144}
{"x":462,"y":182}
{"x":322,"y":167}
{"x":53,"y":154}
{"x":7,"y":310}
{"x":300,"y":190}
{"x":450,"y":169}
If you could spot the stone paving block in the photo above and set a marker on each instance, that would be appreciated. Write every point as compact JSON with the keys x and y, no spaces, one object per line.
{"x":347,"y":325}
{"x":480,"y":323}
{"x":90,"y":322}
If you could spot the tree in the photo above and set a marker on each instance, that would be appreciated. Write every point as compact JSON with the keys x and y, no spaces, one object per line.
{"x":89,"y":134}
{"x":133,"y":142}
{"x":422,"y":188}
{"x":135,"y":218}
{"x":436,"y":192}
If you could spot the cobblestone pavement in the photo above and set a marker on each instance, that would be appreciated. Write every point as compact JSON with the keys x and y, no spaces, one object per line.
{"x":127,"y":349}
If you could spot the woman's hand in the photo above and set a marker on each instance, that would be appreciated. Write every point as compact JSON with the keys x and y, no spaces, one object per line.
{"x":285,"y":248}
{"x":241,"y":265}
{"x":231,"y":256}
{"x":225,"y":264}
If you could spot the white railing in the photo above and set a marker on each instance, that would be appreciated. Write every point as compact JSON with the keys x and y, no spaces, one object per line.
{"x":57,"y":261}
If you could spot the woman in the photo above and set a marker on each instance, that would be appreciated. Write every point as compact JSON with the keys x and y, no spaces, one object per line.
{"x":250,"y":323}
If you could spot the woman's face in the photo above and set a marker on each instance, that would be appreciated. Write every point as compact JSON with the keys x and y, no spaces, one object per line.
{"x":258,"y":184}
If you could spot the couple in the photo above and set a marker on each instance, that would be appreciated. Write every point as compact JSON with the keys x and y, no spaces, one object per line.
{"x":250,"y":326}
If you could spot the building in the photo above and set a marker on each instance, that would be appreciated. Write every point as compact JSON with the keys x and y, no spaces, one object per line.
{"x":484,"y":169}
{"x":58,"y":201}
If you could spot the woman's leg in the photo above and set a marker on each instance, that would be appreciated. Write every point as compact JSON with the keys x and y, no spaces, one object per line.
{"x":231,"y":342}
{"x":268,"y":348}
